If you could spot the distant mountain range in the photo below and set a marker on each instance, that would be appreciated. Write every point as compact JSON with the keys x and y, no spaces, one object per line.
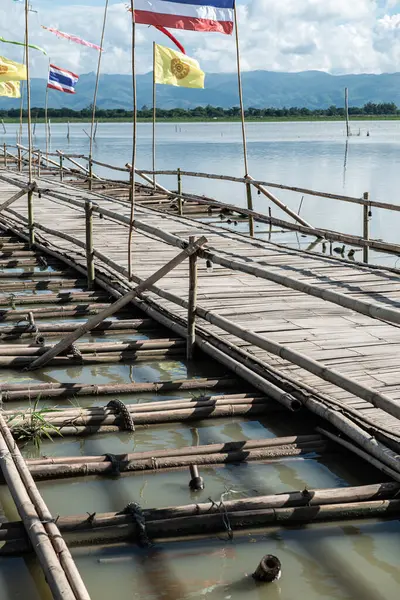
{"x":311,"y":89}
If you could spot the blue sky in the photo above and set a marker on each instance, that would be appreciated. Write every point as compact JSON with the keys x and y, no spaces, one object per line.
{"x":337,"y":36}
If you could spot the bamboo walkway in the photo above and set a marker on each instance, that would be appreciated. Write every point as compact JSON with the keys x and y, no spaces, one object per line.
{"x":358,"y":346}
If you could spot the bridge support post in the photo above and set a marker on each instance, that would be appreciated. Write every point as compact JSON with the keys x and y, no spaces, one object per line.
{"x":250,"y":207}
{"x":191,"y":319}
{"x":89,"y":244}
{"x":180,"y":203}
{"x":366,"y":217}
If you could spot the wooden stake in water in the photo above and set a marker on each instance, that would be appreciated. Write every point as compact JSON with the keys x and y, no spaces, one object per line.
{"x":346,"y":102}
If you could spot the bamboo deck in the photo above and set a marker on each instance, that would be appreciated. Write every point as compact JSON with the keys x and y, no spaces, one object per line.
{"x":363,"y":348}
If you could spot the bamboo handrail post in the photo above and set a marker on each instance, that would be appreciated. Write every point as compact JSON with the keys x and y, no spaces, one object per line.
{"x":191,"y":320}
{"x":89,"y":244}
{"x":366,"y":217}
{"x":90,"y":172}
{"x":19,"y":160}
{"x":31,"y":224}
{"x":5,"y":154}
{"x":250,"y":207}
{"x":180,"y":202}
{"x":61,"y":167}
{"x":116,"y":306}
{"x":39,"y":158}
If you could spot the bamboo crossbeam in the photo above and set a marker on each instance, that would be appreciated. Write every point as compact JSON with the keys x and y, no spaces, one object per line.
{"x":71,"y":338}
{"x":17,"y":196}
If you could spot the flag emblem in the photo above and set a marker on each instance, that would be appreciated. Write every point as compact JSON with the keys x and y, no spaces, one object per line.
{"x":62,"y":80}
{"x":175,"y":68}
{"x":11,"y":89}
{"x":179,"y":68}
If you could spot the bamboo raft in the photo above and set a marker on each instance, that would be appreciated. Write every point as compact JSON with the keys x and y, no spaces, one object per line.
{"x":295,"y":332}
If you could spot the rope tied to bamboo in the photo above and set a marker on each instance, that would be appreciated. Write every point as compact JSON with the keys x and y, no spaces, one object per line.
{"x":115,"y":470}
{"x":122,"y":411}
{"x":134,"y":509}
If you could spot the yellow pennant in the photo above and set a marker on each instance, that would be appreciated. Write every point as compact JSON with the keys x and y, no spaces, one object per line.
{"x":11,"y":71}
{"x":11,"y":89}
{"x":175,"y":68}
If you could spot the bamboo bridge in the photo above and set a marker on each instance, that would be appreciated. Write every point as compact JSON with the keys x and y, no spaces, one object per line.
{"x":297,"y":333}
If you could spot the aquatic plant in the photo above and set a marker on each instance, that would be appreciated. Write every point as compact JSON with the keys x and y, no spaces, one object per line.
{"x":33,"y":426}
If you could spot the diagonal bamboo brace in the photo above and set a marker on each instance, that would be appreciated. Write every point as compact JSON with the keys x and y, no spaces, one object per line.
{"x":66,"y":342}
{"x":32,"y":187}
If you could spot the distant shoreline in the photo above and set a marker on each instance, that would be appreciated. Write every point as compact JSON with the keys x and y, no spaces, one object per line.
{"x":291,"y":119}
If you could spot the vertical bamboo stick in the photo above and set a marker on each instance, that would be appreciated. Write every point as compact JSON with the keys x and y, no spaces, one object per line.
{"x":90,"y":161}
{"x":89,"y":244}
{"x":28,"y":94}
{"x":154,"y":113}
{"x":366,"y":210}
{"x":5,"y":154}
{"x":68,"y":131}
{"x":39,"y":159}
{"x":61,"y":167}
{"x":19,"y":159}
{"x":250,"y":207}
{"x":180,"y":202}
{"x":191,"y":321}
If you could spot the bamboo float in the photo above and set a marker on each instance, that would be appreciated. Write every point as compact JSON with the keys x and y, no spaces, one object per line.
{"x":157,"y":464}
{"x":65,"y":559}
{"x":14,"y":392}
{"x":95,"y":347}
{"x":193,"y":451}
{"x":34,"y":527}
{"x":117,"y":527}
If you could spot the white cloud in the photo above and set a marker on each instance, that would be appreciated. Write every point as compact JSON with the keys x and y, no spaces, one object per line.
{"x":339,"y":36}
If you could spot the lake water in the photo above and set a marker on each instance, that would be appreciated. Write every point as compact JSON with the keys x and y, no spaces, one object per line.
{"x":342,"y":561}
{"x":312,"y":155}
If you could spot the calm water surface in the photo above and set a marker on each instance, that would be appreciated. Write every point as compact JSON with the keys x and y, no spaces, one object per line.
{"x":312,"y":155}
{"x":344,"y":561}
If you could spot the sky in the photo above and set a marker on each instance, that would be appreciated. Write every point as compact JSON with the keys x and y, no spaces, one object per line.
{"x":336,"y":36}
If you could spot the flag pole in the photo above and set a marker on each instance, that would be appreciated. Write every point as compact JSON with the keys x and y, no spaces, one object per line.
{"x":133,"y":166}
{"x":96,"y":88}
{"x":154,"y":113}
{"x":21,"y":104}
{"x":240,"y":92}
{"x":46,"y":120}
{"x":28,"y":97}
{"x":244,"y":140}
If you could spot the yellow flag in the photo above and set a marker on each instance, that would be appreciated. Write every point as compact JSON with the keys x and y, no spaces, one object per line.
{"x":175,"y":68}
{"x":11,"y":71}
{"x":11,"y":89}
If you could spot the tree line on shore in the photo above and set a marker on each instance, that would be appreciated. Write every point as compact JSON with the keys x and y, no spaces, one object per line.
{"x":209,"y":112}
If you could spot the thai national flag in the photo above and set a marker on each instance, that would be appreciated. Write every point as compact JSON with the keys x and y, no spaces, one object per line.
{"x":62,"y":80}
{"x":195,"y":15}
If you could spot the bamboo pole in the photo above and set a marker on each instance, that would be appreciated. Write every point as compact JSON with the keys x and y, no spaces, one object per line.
{"x":65,"y":559}
{"x":61,"y":167}
{"x":180,"y":201}
{"x":46,"y":472}
{"x":366,"y":216}
{"x":132,"y":175}
{"x":346,"y":102}
{"x":89,"y":244}
{"x":92,"y":131}
{"x":193,"y":451}
{"x":116,"y":527}
{"x":250,"y":208}
{"x":239,"y":78}
{"x":66,"y":342}
{"x":34,"y":528}
{"x":5,"y":154}
{"x":30,"y":145}
{"x":14,"y":392}
{"x":191,"y":318}
{"x":154,"y":114}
